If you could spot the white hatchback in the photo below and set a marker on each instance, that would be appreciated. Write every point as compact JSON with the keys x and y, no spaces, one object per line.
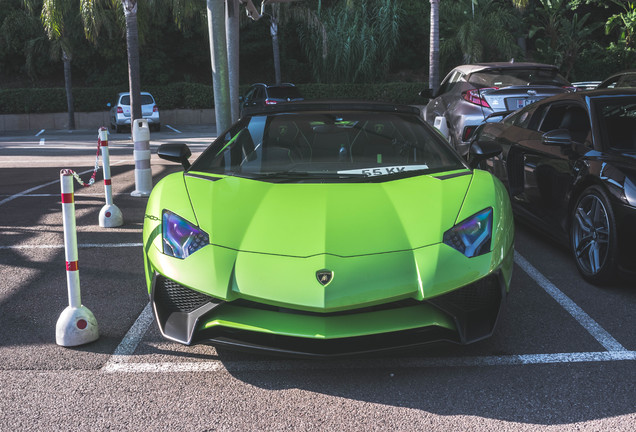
{"x":120,"y":111}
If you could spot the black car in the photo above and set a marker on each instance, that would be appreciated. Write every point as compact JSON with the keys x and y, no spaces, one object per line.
{"x":569,"y":164}
{"x":260,"y":95}
{"x":621,"y":79}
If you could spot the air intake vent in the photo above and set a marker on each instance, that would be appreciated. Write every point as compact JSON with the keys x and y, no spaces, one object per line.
{"x":174,"y":297}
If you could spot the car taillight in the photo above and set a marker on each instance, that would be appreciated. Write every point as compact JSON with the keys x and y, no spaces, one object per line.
{"x":155,"y":109}
{"x":468,"y":131}
{"x":120,"y":110}
{"x":474,"y":96}
{"x":270,"y":102}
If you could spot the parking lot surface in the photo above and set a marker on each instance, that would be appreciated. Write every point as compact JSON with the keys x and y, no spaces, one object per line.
{"x":563,"y":356}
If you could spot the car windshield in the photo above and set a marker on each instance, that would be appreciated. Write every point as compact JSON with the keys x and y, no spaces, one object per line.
{"x":617,"y":122}
{"x":330,"y":146}
{"x":517,"y":77}
{"x":145,"y":100}
{"x":283,"y":92}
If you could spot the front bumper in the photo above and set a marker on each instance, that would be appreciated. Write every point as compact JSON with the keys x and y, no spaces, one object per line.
{"x":462,"y":316}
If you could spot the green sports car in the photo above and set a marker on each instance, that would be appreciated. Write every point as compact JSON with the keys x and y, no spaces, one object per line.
{"x":326,"y":229}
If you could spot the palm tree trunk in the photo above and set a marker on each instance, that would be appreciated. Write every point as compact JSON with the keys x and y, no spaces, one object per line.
{"x":132,"y":44}
{"x":218,"y":51}
{"x":232,"y":34}
{"x":69,"y":90}
{"x":273,"y":29}
{"x":433,"y":74}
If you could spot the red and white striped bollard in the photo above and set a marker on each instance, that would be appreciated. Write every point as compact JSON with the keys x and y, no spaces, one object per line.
{"x":110,"y":215}
{"x":77,"y":324}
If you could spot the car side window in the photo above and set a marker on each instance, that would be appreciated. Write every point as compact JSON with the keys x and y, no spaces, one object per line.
{"x":567,"y":116}
{"x":450,"y":83}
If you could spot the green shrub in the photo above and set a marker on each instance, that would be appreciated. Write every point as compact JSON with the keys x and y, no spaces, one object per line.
{"x":190,"y":96}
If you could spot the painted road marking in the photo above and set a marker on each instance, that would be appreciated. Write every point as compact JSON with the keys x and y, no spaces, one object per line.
{"x":597,"y":332}
{"x":170,"y":127}
{"x":40,"y":133}
{"x":42,"y":140}
{"x":26,"y":192}
{"x":393,"y":363}
{"x":80,"y":246}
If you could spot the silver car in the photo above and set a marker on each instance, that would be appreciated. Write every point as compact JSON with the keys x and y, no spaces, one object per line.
{"x":469,"y":94}
{"x":120,"y":111}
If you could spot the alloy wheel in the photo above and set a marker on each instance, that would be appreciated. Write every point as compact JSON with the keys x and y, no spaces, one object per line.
{"x":591,"y":234}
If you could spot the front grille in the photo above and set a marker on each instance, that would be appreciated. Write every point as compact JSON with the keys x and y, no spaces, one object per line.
{"x":385,"y":306}
{"x":174,"y":297}
{"x":476,"y":296}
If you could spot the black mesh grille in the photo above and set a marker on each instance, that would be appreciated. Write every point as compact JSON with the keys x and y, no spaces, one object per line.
{"x":177,"y":298}
{"x":476,"y":296}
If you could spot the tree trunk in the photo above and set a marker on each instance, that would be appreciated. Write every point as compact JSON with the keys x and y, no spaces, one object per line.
{"x":433,"y":67}
{"x":69,"y":90}
{"x":273,"y":29}
{"x":132,"y":44}
{"x":232,"y":33}
{"x":218,"y":52}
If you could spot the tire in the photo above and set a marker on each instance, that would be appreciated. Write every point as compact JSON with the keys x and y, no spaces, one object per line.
{"x":593,"y":237}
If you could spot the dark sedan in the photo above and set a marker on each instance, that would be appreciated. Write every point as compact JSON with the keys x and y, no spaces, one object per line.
{"x":569,"y":163}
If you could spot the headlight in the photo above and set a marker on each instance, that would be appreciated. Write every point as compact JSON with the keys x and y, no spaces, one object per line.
{"x":180,"y":237}
{"x":471,"y":236}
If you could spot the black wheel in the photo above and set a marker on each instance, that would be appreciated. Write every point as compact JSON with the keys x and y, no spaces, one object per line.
{"x":593,"y":236}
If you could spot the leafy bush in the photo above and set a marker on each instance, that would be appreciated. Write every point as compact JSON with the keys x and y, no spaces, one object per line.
{"x":190,"y":96}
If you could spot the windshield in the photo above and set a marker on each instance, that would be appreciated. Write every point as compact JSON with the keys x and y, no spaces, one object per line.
{"x":145,"y":100}
{"x":517,"y":77}
{"x":327,"y":145}
{"x":617,"y":122}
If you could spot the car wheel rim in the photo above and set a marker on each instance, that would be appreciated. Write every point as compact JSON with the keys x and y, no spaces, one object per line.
{"x":591,"y":234}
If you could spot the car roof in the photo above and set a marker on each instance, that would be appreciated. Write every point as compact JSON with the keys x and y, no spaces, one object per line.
{"x":334,"y":105}
{"x":477,"y":67}
{"x":126,"y":93}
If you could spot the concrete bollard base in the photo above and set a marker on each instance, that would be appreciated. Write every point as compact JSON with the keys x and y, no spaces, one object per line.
{"x":110,"y":216}
{"x":76,"y":326}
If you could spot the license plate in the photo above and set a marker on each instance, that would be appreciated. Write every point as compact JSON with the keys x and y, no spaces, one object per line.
{"x":520,"y":103}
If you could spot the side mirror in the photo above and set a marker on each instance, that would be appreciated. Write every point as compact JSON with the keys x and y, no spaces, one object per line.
{"x":175,"y":153}
{"x":481,"y":151}
{"x":557,"y":137}
{"x":427,"y":93}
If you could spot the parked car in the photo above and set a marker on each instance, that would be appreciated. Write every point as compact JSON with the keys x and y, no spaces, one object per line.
{"x":569,"y":164}
{"x":470,"y":93}
{"x":327,"y":229}
{"x":585,"y":85}
{"x":260,"y":95}
{"x":120,"y":111}
{"x":619,"y":80}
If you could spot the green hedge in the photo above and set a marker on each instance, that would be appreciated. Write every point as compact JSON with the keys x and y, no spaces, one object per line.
{"x":190,"y":95}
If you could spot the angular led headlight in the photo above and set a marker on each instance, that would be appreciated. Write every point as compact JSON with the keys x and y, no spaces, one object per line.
{"x":471,"y":236}
{"x":180,"y":238}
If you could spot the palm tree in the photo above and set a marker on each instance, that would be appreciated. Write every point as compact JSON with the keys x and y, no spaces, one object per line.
{"x":433,"y":59}
{"x":61,"y":21}
{"x":132,"y":47}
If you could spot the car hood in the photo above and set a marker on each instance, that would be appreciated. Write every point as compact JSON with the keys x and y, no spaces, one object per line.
{"x":303,"y":220}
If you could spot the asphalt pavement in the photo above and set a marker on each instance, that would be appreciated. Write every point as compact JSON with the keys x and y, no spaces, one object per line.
{"x":563,"y":356}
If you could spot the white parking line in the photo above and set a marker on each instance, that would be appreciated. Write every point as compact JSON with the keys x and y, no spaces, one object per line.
{"x":597,"y":332}
{"x":42,"y":141}
{"x":80,"y":246}
{"x":393,"y":363}
{"x":170,"y":127}
{"x":26,"y":192}
{"x":40,"y":133}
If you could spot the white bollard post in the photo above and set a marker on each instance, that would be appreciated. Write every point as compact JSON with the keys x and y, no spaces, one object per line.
{"x":143,"y":174}
{"x":77,"y":324}
{"x":110,"y":215}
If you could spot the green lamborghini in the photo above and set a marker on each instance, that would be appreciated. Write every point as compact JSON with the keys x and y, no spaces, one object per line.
{"x":328,"y":229}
